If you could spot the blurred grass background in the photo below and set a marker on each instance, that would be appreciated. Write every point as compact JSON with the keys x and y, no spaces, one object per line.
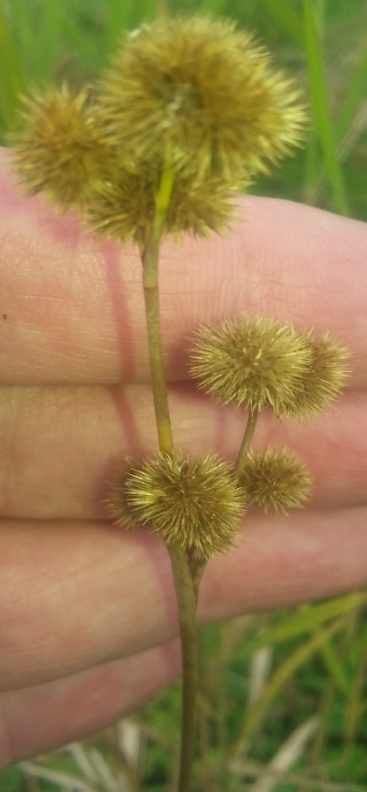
{"x":284,"y":699}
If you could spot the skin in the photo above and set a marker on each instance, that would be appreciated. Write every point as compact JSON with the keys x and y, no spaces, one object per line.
{"x":87,"y":611}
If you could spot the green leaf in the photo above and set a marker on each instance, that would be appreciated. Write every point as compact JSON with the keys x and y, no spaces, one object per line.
{"x":321,"y":114}
{"x":12,"y":81}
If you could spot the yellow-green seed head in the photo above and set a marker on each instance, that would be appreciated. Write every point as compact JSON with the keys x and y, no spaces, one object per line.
{"x":257,"y":362}
{"x":197,"y":503}
{"x":125,"y":207}
{"x":323,"y":379}
{"x":58,"y":150}
{"x":198,"y":96}
{"x":275,"y":480}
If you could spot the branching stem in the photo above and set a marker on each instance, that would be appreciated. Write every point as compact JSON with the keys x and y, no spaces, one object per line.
{"x":246,"y":440}
{"x":186,"y":587}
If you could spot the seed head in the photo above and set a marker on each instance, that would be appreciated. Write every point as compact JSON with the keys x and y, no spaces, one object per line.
{"x":323,"y":378}
{"x":196,"y":502}
{"x":275,"y":480}
{"x":124,"y":207}
{"x":200,"y":97}
{"x":257,"y":362}
{"x":59,"y":150}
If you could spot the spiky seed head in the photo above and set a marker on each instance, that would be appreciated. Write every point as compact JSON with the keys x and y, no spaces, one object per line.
{"x":125,"y":207}
{"x":197,"y":503}
{"x":257,"y":362}
{"x":275,"y":480}
{"x":58,"y":149}
{"x":200,"y":97}
{"x":322,"y":381}
{"x":116,"y":504}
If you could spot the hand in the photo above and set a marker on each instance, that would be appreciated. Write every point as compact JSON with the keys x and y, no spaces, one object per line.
{"x":87,"y":611}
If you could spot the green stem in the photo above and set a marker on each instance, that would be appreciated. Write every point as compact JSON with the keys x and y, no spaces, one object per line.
{"x":150,"y":259}
{"x":186,"y":601}
{"x":150,"y":256}
{"x":186,"y":587}
{"x":246,"y":440}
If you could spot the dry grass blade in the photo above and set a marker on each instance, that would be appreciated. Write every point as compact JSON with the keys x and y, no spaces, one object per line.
{"x":107,"y":781}
{"x":261,"y":663}
{"x":130,"y":741}
{"x":82,"y":761}
{"x":289,"y":753}
{"x":65,"y":781}
{"x":252,"y":769}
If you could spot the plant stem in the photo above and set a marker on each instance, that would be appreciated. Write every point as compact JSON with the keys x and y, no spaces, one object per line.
{"x":151,"y":296}
{"x":186,"y":588}
{"x":246,"y":441}
{"x":197,"y":569}
{"x":150,"y":259}
{"x":186,"y":601}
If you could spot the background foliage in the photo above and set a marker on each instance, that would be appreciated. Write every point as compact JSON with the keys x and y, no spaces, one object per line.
{"x":284,"y":700}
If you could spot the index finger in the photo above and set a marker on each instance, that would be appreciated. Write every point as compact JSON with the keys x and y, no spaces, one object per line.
{"x":72,"y":309}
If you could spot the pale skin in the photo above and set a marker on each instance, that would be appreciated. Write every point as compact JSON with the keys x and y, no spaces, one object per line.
{"x":87,"y":611}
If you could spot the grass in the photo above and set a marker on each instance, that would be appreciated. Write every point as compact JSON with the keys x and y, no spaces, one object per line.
{"x":284,"y":702}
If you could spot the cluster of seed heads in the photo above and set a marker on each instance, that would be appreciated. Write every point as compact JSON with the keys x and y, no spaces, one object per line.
{"x":189,"y":109}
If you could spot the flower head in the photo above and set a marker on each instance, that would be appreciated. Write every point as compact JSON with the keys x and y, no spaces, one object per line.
{"x":196,"y":502}
{"x":59,"y":150}
{"x":322,"y":380}
{"x":124,"y":207}
{"x":257,"y":362}
{"x":275,"y":480}
{"x":200,"y":97}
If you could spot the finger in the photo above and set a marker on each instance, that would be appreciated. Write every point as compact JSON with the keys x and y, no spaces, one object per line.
{"x":71,"y":708}
{"x":62,"y":447}
{"x":74,"y":305}
{"x":75,"y":595}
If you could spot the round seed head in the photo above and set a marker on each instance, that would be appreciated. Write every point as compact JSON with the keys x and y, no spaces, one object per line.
{"x":58,"y":149}
{"x":322,"y":380}
{"x":198,"y":96}
{"x":124,"y":207}
{"x":256,"y":362}
{"x":275,"y":480}
{"x":196,"y":502}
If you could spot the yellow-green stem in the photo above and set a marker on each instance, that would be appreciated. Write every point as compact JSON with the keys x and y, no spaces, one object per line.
{"x":186,"y":589}
{"x":150,"y":257}
{"x":186,"y":601}
{"x":197,"y":569}
{"x":246,"y":440}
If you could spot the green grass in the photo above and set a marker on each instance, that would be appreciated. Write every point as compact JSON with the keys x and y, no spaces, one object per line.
{"x":316,"y":654}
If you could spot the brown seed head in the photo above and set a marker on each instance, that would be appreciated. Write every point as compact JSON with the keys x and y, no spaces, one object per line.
{"x":201,"y":97}
{"x":58,"y":150}
{"x":256,"y":362}
{"x":196,"y":502}
{"x":275,"y":480}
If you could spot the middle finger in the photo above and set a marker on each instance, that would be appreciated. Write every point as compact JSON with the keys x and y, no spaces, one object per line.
{"x":61,"y":446}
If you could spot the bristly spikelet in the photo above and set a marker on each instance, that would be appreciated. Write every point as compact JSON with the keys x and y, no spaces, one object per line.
{"x":257,"y":362}
{"x":322,"y":381}
{"x":275,"y":480}
{"x":197,"y":503}
{"x":125,"y":207}
{"x":58,"y":150}
{"x":200,"y":97}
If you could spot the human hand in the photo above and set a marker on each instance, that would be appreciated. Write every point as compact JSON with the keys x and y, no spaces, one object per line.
{"x":87,"y":611}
